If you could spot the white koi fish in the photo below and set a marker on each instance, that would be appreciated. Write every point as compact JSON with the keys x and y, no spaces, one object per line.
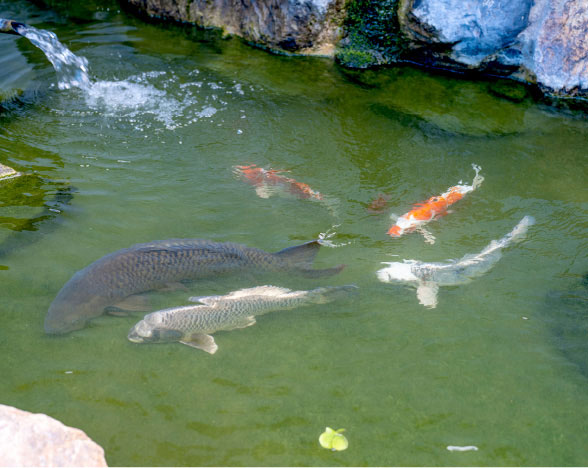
{"x":429,"y":276}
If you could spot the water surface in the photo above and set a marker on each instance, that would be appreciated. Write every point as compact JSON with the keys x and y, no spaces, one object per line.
{"x":147,"y":152}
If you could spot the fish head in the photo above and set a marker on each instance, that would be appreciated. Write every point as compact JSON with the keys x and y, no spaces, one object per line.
{"x":152,"y":330}
{"x":396,"y":271}
{"x":71,"y":310}
{"x":395,"y":231}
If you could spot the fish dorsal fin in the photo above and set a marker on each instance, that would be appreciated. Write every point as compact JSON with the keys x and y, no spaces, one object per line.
{"x":427,"y":294}
{"x":267,"y":290}
{"x":302,"y":255}
{"x":206,"y":300}
{"x":201,"y":341}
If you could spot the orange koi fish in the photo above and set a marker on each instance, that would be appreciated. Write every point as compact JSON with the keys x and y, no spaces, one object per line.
{"x":265,"y":180}
{"x":434,"y":207}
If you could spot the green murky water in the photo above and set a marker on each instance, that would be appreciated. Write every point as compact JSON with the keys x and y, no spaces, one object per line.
{"x":147,"y":153}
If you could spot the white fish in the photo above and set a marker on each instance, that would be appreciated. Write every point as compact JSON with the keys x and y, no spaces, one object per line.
{"x":429,"y":276}
{"x":193,"y":325}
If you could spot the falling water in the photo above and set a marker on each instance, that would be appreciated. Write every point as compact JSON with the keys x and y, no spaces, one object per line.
{"x":72,"y":71}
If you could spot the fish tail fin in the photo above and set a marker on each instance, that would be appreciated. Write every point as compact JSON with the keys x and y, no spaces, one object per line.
{"x":310,"y":273}
{"x":331,"y":293}
{"x":478,"y":179}
{"x":302,"y":256}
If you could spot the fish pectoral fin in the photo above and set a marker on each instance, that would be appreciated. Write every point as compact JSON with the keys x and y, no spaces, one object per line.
{"x":206,"y":300}
{"x":429,"y":238}
{"x":116,"y":312}
{"x":263,"y":191}
{"x":246,"y":322}
{"x":202,"y":341}
{"x":134,"y":303}
{"x":427,"y":294}
{"x":169,"y":287}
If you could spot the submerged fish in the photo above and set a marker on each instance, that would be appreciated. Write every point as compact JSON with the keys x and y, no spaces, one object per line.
{"x":144,"y":267}
{"x":379,"y":204}
{"x":266,"y":181}
{"x":193,"y":324}
{"x":429,"y":276}
{"x":424,"y":212}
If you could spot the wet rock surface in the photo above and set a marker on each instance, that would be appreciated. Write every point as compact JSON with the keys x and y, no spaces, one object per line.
{"x":311,"y":26}
{"x":28,"y":439}
{"x":542,"y":42}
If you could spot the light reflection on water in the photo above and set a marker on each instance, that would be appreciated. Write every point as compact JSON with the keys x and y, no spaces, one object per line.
{"x":150,"y":159}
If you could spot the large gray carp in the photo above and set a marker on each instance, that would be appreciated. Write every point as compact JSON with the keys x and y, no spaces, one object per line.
{"x":193,"y":324}
{"x":144,"y":267}
{"x":429,"y":276}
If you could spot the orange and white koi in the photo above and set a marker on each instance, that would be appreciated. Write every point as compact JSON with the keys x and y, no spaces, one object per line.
{"x":266,"y":180}
{"x":434,"y":207}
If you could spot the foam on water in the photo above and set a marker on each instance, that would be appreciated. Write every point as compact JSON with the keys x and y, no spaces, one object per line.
{"x":161,"y":95}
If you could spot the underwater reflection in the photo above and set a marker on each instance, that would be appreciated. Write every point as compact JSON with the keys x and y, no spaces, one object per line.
{"x":28,"y":204}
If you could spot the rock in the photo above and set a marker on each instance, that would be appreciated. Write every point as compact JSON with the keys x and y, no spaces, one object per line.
{"x":555,"y":46}
{"x":28,"y":439}
{"x":308,"y":26}
{"x":541,"y":42}
{"x":471,"y":30}
{"x":7,"y":172}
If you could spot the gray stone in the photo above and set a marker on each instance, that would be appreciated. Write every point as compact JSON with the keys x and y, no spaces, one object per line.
{"x":28,"y":439}
{"x":7,"y":172}
{"x":473,"y":30}
{"x":542,"y":42}
{"x":555,"y":46}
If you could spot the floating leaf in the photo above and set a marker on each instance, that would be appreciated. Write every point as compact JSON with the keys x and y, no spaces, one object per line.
{"x":333,"y":440}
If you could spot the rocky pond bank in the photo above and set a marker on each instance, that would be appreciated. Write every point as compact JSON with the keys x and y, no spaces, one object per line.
{"x":541,"y":43}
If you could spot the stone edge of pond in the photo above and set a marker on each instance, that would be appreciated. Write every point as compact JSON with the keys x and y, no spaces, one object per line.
{"x":363,"y":34}
{"x":35,"y":439}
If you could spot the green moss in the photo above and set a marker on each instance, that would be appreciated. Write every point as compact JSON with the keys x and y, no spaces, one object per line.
{"x":371,"y":34}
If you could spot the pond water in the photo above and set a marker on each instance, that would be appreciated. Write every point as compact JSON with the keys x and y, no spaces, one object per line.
{"x":147,"y":152}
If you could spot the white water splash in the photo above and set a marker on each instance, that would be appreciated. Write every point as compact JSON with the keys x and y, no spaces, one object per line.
{"x":161,"y":95}
{"x":72,"y":71}
{"x":324,"y":237}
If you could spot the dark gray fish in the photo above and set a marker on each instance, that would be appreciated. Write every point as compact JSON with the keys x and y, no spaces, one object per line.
{"x":193,"y":324}
{"x":144,"y":267}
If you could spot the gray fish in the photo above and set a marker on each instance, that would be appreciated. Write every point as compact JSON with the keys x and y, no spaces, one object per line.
{"x":193,"y":324}
{"x":429,"y":276}
{"x":155,"y":265}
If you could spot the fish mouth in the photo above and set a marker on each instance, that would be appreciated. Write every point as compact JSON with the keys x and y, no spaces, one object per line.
{"x":57,"y":328}
{"x":135,"y":338}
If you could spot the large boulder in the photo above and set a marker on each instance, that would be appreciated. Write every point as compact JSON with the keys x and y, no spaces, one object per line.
{"x":469,"y":31}
{"x":308,"y":26}
{"x":542,"y":42}
{"x":28,"y":439}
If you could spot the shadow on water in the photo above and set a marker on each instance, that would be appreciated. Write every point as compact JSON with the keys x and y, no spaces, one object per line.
{"x":566,"y":314}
